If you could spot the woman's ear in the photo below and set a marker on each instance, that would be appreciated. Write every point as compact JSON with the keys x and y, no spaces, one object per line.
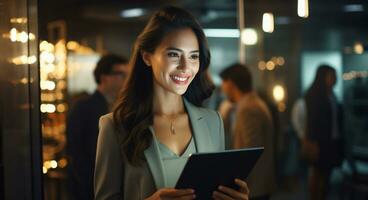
{"x":146,"y":57}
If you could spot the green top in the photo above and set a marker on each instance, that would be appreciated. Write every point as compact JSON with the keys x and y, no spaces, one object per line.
{"x":173,"y":164}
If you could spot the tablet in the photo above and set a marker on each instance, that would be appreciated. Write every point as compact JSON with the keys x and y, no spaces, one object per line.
{"x":204,"y":172}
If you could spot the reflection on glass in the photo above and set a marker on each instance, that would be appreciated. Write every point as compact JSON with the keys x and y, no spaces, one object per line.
{"x":20,"y":176}
{"x":53,"y":107}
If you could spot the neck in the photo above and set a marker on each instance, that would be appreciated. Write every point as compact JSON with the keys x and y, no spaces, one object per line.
{"x":166,"y":103}
{"x":239,"y":95}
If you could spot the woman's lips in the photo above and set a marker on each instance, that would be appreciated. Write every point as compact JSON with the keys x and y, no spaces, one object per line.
{"x":180,"y":79}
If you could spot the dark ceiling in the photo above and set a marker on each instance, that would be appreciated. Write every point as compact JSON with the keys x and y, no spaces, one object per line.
{"x":211,"y":13}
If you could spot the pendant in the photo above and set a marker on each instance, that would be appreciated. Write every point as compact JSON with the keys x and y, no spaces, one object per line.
{"x":172,"y":129}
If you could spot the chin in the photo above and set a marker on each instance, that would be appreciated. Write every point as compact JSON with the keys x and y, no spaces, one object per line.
{"x":179,"y":91}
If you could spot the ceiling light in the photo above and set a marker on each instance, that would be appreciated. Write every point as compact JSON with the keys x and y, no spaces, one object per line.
{"x":249,"y":36}
{"x":353,"y":8}
{"x":303,"y":8}
{"x":134,"y":12}
{"x":221,"y":33}
{"x":268,"y":22}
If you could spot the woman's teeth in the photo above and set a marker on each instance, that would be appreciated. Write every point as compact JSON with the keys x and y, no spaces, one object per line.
{"x":179,"y":78}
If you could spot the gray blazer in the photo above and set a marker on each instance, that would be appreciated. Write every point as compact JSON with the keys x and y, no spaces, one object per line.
{"x":116,"y":178}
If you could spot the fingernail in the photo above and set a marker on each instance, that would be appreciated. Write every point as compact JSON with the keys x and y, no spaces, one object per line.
{"x":220,"y":187}
{"x":194,"y":196}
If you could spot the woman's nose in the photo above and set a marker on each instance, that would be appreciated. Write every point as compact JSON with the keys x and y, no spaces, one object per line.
{"x":183,"y":62}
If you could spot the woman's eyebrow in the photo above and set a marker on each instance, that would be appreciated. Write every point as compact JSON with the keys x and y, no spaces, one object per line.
{"x":176,"y":49}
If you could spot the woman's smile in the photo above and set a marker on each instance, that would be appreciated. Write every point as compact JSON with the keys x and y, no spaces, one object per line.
{"x":180,"y":79}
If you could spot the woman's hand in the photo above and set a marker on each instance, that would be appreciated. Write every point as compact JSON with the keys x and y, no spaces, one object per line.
{"x":172,"y":194}
{"x":225,"y":193}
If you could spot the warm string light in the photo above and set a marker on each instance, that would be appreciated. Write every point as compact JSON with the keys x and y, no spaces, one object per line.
{"x":19,"y":36}
{"x":279,"y":95}
{"x":23,"y":37}
{"x":53,"y":72}
{"x":53,"y":106}
{"x":53,"y":164}
{"x":354,"y":74}
{"x":358,"y":48}
{"x":18,"y":20}
{"x":24,"y":60}
{"x":48,"y":108}
{"x":47,"y":85}
{"x":271,"y":64}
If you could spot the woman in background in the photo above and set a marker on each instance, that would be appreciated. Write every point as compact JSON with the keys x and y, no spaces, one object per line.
{"x":323,"y":142}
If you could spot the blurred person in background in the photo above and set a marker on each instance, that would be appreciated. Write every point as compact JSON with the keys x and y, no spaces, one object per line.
{"x":298,"y":117}
{"x":227,"y":111}
{"x":82,"y":124}
{"x":253,"y":127}
{"x":322,"y":145}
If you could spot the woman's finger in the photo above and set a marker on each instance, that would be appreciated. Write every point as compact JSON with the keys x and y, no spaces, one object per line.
{"x":221,"y":196}
{"x":243,"y":186}
{"x":176,"y":193}
{"x":233,"y":193}
{"x":189,"y":197}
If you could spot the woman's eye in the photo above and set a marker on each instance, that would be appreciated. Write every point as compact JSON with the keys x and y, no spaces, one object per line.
{"x":173,"y":54}
{"x":194,"y":57}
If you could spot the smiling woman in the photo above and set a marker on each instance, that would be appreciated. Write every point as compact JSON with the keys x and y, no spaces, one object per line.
{"x":144,"y":144}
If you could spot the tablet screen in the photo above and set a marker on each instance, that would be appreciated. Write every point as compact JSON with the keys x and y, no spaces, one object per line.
{"x":204,"y":172}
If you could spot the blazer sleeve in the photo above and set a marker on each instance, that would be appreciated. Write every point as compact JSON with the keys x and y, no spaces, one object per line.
{"x":222,"y":132}
{"x":108,"y":178}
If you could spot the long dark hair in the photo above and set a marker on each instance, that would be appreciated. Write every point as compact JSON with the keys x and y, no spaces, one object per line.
{"x":318,"y":104}
{"x":133,"y":112}
{"x":319,"y":87}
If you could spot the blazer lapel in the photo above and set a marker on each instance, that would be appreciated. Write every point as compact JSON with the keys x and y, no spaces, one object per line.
{"x":200,"y":128}
{"x":202,"y":140}
{"x":155,"y":164}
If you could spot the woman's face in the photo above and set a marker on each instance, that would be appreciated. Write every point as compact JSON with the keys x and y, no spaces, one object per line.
{"x":175,"y":61}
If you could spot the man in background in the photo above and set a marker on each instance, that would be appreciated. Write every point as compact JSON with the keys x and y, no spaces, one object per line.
{"x":82,"y":124}
{"x":253,"y":127}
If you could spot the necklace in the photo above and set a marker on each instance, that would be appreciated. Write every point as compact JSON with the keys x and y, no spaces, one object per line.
{"x":171,"y":118}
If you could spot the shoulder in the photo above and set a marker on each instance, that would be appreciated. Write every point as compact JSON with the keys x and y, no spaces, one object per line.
{"x":107,"y":120}
{"x":210,"y":115}
{"x":214,"y":122}
{"x":202,"y":112}
{"x":107,"y":124}
{"x":108,"y":132}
